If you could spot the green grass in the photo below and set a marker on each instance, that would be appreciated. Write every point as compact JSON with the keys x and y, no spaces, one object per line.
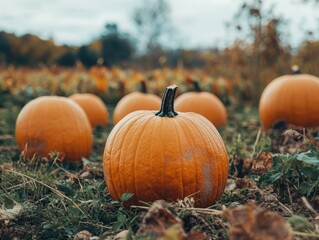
{"x":56,"y":201}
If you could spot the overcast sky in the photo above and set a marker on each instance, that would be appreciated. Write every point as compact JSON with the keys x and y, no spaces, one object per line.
{"x":198,"y":23}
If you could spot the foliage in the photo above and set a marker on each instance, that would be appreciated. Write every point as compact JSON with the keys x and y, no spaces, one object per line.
{"x":87,"y":56}
{"x":299,"y":171}
{"x":67,"y":59}
{"x":116,"y":47}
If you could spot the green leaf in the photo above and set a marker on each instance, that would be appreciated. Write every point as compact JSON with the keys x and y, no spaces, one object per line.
{"x":121,"y":220}
{"x":307,"y":171}
{"x":126,"y":196}
{"x":308,"y":157}
{"x":300,"y":223}
{"x":274,"y":177}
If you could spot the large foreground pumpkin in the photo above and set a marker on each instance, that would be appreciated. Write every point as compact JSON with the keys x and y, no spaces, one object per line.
{"x":165,"y":155}
{"x":94,"y":108}
{"x":291,"y":98}
{"x":53,"y":123}
{"x":136,"y":101}
{"x":203,"y":103}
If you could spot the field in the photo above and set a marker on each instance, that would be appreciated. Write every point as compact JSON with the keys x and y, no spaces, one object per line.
{"x":42,"y":198}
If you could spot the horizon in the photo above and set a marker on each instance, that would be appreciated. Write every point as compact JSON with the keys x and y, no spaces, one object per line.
{"x":78,"y":23}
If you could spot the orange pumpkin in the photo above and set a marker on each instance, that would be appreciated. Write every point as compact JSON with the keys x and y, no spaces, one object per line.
{"x":203,"y":103}
{"x":94,"y":108}
{"x":53,"y":123}
{"x":165,"y":155}
{"x":135,"y":101}
{"x":291,"y":98}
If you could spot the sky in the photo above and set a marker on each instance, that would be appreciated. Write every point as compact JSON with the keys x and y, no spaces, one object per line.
{"x":197,"y":24}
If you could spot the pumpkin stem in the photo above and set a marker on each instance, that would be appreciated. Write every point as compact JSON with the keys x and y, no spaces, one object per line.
{"x":196,"y":86}
{"x":295,"y":70}
{"x":143,"y":87}
{"x":167,"y":107}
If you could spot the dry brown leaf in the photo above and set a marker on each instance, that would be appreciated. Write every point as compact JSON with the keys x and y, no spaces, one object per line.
{"x":10,"y":214}
{"x":230,"y":185}
{"x":250,"y":222}
{"x":83,"y":235}
{"x":241,"y":166}
{"x":245,"y":182}
{"x":159,"y":223}
{"x":121,"y":235}
{"x":262,"y":162}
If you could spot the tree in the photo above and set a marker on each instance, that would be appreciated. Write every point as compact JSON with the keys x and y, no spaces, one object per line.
{"x":5,"y":48}
{"x":152,"y":20}
{"x":87,"y":56}
{"x":262,"y":30}
{"x":116,"y":47}
{"x":67,"y":59}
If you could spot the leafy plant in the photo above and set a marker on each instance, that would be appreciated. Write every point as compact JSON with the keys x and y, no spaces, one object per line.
{"x":300,"y":171}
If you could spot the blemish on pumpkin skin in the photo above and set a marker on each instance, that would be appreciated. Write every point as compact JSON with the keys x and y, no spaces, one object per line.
{"x":207,"y":186}
{"x":191,"y":153}
{"x":38,"y":144}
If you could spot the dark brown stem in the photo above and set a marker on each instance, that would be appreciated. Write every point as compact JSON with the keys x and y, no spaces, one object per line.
{"x":143,"y":87}
{"x":167,"y":107}
{"x":196,"y":86}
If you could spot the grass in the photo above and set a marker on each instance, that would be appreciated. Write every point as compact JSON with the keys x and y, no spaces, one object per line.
{"x":50,"y":200}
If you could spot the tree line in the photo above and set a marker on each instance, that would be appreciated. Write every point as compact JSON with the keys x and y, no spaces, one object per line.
{"x":260,"y":45}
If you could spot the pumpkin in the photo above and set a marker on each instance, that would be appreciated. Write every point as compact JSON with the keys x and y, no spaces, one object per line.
{"x":94,"y":108}
{"x":165,"y":155}
{"x":203,"y":103}
{"x":52,"y":123}
{"x":291,"y":98}
{"x":135,"y":101}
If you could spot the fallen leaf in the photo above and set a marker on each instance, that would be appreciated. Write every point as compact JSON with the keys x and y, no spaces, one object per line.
{"x":122,"y":235}
{"x":262,"y":162}
{"x":10,"y":214}
{"x":83,"y":235}
{"x":250,"y":222}
{"x":241,"y":167}
{"x":245,"y":182}
{"x":159,"y":223}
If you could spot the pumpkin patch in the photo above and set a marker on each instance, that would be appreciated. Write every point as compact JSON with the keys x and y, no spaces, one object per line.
{"x":97,"y":142}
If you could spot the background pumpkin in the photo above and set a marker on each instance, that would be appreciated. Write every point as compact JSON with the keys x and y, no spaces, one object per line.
{"x":292,"y":98}
{"x":166,"y":155}
{"x":94,"y":108}
{"x":136,"y":101}
{"x":53,"y":123}
{"x":203,"y":103}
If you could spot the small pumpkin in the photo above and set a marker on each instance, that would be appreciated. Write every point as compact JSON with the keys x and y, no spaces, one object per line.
{"x":203,"y":103}
{"x":165,"y":155}
{"x":52,"y":123}
{"x":94,"y":108}
{"x":291,"y":98}
{"x":136,"y":101}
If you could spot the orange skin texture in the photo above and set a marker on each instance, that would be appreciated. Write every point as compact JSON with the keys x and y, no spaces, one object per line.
{"x":205,"y":104}
{"x":292,"y":98}
{"x":52,"y":123}
{"x":94,"y":108}
{"x":165,"y":158}
{"x":134,"y":102}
